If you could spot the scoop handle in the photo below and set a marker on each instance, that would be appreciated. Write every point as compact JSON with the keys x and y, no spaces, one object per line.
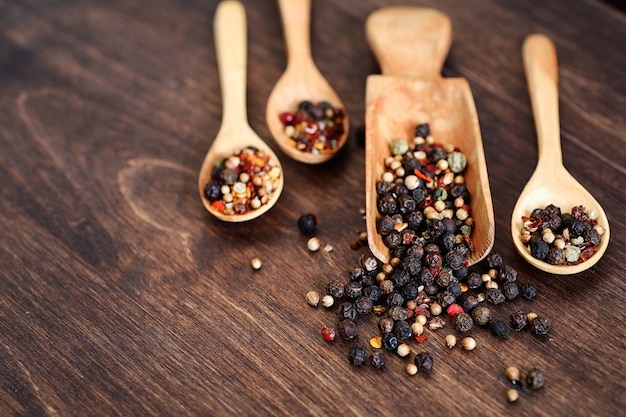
{"x":540,"y":66}
{"x":409,"y":41}
{"x":296,"y":20}
{"x":230,"y":33}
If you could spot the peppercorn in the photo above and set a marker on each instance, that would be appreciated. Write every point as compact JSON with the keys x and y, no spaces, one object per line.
{"x":518,"y":320}
{"x":495,"y":260}
{"x":450,"y":341}
{"x":356,"y":355}
{"x":468,"y":343}
{"x":403,"y":350}
{"x":445,"y":299}
{"x":377,"y":359}
{"x":313,"y":244}
{"x":534,"y":379}
{"x":540,"y":325}
{"x":474,"y":280}
{"x":312,"y":298}
{"x":346,"y":310}
{"x":348,"y":329}
{"x":510,"y":290}
{"x":373,"y":292}
{"x":398,"y":313}
{"x":335,"y":288}
{"x":468,"y":302}
{"x":411,"y":369}
{"x":453,"y":310}
{"x":498,"y":329}
{"x":424,"y":361}
{"x":538,"y":248}
{"x":529,"y":291}
{"x":328,"y":333}
{"x":507,"y":274}
{"x":328,"y":301}
{"x":422,"y":130}
{"x":513,"y":374}
{"x":390,"y":341}
{"x":403,"y":330}
{"x":512,"y":395}
{"x":363,"y":305}
{"x":353,"y":289}
{"x":463,"y":322}
{"x":494,"y":296}
{"x":307,"y":223}
{"x":481,"y":315}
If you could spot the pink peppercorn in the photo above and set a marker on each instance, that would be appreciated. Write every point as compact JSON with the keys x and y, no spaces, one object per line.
{"x":328,"y":333}
{"x":453,"y":310}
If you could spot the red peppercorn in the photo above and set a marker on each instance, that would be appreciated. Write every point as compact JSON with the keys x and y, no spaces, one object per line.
{"x":286,"y":118}
{"x":328,"y":333}
{"x":454,"y":309}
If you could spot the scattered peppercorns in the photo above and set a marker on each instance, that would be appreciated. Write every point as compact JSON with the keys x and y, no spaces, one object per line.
{"x":357,"y":355}
{"x":561,"y":238}
{"x":314,"y":127}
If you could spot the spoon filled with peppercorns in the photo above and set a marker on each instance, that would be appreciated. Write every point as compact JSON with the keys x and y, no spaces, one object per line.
{"x":241,"y":177}
{"x":304,"y":114}
{"x":557,"y":225}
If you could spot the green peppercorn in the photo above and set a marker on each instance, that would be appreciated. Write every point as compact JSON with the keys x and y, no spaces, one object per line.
{"x":534,"y":379}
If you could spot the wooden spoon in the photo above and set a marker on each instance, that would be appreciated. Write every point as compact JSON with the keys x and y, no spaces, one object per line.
{"x":411,"y":45}
{"x":235,"y":132}
{"x":300,"y":81}
{"x":550,"y":183}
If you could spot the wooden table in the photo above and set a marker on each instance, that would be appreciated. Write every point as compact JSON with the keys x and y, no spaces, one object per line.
{"x":121,"y":296}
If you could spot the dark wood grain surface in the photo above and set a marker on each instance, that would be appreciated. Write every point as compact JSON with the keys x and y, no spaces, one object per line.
{"x":121,"y":296}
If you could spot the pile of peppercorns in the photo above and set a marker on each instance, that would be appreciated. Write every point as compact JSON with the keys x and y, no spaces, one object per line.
{"x":426,"y":223}
{"x":561,"y":238}
{"x":314,"y":127}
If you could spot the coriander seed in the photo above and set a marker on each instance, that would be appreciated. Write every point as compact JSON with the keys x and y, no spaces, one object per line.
{"x":411,"y":369}
{"x":403,"y":349}
{"x":450,"y":341}
{"x":512,"y":373}
{"x":328,"y":301}
{"x":512,"y":395}
{"x":312,"y":298}
{"x":314,"y":244}
{"x":468,"y":343}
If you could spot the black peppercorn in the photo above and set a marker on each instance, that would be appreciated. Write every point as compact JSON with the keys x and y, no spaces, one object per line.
{"x":518,"y":320}
{"x":390,"y":341}
{"x":494,"y":296}
{"x":398,"y":313}
{"x":348,"y":329}
{"x":540,"y":326}
{"x":534,"y":379}
{"x":424,"y":361}
{"x":363,"y":305}
{"x":213,"y":191}
{"x":385,"y":225}
{"x":385,"y":325}
{"x":307,"y":223}
{"x":463,"y":322}
{"x":422,"y":130}
{"x":400,"y":277}
{"x":445,"y":299}
{"x":529,"y":291}
{"x":335,"y":288}
{"x":353,"y":290}
{"x":377,"y":359}
{"x":474,"y":280}
{"x":556,"y":256}
{"x":507,"y":274}
{"x":373,"y":292}
{"x":357,"y":274}
{"x":387,"y":204}
{"x":510,"y":290}
{"x":403,"y":330}
{"x":356,"y":355}
{"x":481,"y":315}
{"x":395,"y":299}
{"x":467,"y":301}
{"x":494,"y":260}
{"x":498,"y":328}
{"x":410,"y":290}
{"x":346,"y":310}
{"x":538,"y":248}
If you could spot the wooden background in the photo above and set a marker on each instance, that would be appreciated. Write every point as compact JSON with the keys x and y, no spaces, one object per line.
{"x":121,"y":296}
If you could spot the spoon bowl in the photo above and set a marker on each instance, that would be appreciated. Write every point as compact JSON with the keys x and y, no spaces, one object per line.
{"x":235,"y":133}
{"x":550,"y":183}
{"x":301,"y":81}
{"x":411,"y":45}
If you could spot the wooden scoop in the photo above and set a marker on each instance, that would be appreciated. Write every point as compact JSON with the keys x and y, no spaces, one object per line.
{"x":551,"y":183}
{"x":235,"y":132}
{"x":411,"y":45}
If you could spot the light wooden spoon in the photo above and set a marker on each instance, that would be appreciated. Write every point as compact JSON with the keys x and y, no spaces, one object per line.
{"x":301,"y":81}
{"x":235,"y":132}
{"x":411,"y":45}
{"x":550,"y":183}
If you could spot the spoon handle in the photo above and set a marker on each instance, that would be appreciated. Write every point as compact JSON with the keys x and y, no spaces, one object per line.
{"x":409,"y":41}
{"x":540,"y":65}
{"x":231,"y":49}
{"x":296,"y":19}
